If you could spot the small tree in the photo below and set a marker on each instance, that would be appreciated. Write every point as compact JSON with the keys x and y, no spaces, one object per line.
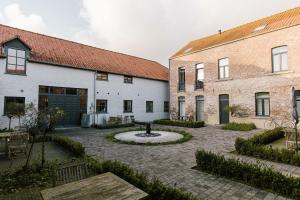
{"x":15,"y":110}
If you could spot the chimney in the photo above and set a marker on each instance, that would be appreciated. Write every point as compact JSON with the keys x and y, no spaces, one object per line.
{"x":220,"y":31}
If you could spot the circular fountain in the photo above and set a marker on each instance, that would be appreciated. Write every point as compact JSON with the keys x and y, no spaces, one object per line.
{"x":148,"y":136}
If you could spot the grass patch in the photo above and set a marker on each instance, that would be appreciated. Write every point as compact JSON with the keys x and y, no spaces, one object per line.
{"x":234,"y":126}
{"x":180,"y":123}
{"x":186,"y":137}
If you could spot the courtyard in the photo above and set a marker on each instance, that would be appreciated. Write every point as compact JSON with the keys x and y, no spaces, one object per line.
{"x":173,"y":164}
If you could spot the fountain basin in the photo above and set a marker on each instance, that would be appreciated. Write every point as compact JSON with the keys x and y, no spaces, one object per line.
{"x":141,"y":137}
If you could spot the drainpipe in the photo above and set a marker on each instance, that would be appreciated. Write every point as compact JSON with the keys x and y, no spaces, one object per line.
{"x":94,"y":107}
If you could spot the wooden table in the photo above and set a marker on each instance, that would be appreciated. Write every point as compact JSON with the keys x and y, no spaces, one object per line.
{"x":105,"y":186}
{"x":5,"y":136}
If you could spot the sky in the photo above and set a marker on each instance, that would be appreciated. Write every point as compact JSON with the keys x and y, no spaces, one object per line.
{"x":152,"y":29}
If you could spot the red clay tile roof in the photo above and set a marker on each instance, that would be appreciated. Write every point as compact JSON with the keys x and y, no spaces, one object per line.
{"x":274,"y":22}
{"x":52,"y":50}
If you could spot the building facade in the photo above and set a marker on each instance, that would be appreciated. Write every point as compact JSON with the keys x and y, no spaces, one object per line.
{"x":245,"y":74}
{"x":50,"y":72}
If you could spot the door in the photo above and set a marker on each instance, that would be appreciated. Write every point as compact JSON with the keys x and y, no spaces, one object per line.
{"x":223,"y":103}
{"x":200,"y":108}
{"x":71,"y":107}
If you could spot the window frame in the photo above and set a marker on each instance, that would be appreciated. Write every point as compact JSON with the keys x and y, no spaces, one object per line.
{"x":223,"y":66}
{"x":106,"y":106}
{"x":272,"y":58}
{"x":126,"y":111}
{"x":152,"y":107}
{"x":180,"y":70}
{"x":263,"y":105}
{"x":128,"y":77}
{"x":198,"y":82}
{"x":99,"y":78}
{"x":15,"y":72}
{"x":5,"y":103}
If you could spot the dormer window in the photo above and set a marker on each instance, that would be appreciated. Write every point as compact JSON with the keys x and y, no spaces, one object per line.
{"x":103,"y":76}
{"x":16,"y":61}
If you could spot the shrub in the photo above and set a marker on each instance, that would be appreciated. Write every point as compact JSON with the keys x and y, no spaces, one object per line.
{"x":110,"y":126}
{"x":252,"y":174}
{"x":6,"y":130}
{"x":75,"y":147}
{"x":239,"y":126}
{"x":180,"y":123}
{"x":156,"y":189}
{"x":256,"y":147}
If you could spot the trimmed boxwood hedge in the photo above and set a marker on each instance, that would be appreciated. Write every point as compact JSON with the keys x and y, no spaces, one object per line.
{"x":255,"y":147}
{"x":110,"y":126}
{"x":186,"y":137}
{"x":234,"y":126}
{"x":155,"y":188}
{"x":252,"y":174}
{"x":180,"y":123}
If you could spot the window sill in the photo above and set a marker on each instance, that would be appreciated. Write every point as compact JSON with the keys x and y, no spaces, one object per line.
{"x":102,"y":80}
{"x":279,"y":73}
{"x":261,"y":117}
{"x":180,"y":90}
{"x":224,"y":79}
{"x":9,"y":73}
{"x":127,"y":112}
{"x":199,"y":89}
{"x":150,"y":112}
{"x":104,"y":113}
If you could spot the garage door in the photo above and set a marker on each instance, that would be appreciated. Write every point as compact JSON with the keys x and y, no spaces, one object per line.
{"x":71,"y":100}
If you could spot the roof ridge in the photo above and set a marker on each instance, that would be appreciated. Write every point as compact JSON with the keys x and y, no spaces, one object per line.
{"x":67,"y":40}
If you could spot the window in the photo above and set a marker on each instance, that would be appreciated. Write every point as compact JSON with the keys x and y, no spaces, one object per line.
{"x":262,"y":101}
{"x":127,"y":106}
{"x":149,"y":106}
{"x":280,"y":59}
{"x":181,"y":108}
{"x":259,"y":28}
{"x":199,"y":76}
{"x":298,"y":101}
{"x":101,"y":106}
{"x":128,"y":79}
{"x":71,"y":91}
{"x":181,"y":79}
{"x":16,"y":60}
{"x":166,"y":106}
{"x":103,"y":76}
{"x":10,"y":105}
{"x":223,"y":68}
{"x":57,"y":90}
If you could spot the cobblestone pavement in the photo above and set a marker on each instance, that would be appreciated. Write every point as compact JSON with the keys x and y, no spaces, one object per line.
{"x":172,"y":163}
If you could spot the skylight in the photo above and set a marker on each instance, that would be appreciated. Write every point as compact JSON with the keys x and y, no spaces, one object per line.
{"x":259,"y":28}
{"x":187,"y":50}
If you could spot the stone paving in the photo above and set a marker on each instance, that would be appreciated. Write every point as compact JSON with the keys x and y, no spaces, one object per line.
{"x":172,"y":163}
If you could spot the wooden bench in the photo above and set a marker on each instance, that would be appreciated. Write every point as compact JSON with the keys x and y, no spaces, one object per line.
{"x":17,"y":143}
{"x":70,"y":173}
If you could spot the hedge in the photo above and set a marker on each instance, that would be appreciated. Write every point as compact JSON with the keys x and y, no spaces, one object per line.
{"x":256,"y":147}
{"x":73,"y":146}
{"x":110,"y":126}
{"x":155,"y":188}
{"x":180,"y":123}
{"x":239,"y":126}
{"x":252,"y":174}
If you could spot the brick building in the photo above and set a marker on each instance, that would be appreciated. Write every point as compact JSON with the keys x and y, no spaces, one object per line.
{"x":250,"y":68}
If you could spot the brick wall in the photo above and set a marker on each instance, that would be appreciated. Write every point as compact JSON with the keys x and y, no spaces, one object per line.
{"x":250,"y":72}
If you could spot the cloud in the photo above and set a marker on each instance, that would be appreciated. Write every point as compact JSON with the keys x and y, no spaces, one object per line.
{"x":12,"y":15}
{"x":157,"y":29}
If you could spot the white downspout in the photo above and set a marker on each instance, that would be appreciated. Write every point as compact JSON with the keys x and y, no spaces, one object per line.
{"x":94,"y":107}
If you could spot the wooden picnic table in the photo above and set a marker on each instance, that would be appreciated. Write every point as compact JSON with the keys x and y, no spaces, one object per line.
{"x":105,"y":186}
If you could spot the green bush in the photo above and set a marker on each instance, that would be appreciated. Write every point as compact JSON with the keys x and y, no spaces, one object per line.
{"x":239,"y":126}
{"x":252,"y":174}
{"x":155,"y":189}
{"x":256,"y":147}
{"x":110,"y":126}
{"x":75,"y":147}
{"x":6,"y":130}
{"x":180,"y":123}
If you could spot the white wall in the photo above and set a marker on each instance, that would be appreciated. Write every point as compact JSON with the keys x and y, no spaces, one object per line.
{"x":41,"y":74}
{"x":115,"y":91}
